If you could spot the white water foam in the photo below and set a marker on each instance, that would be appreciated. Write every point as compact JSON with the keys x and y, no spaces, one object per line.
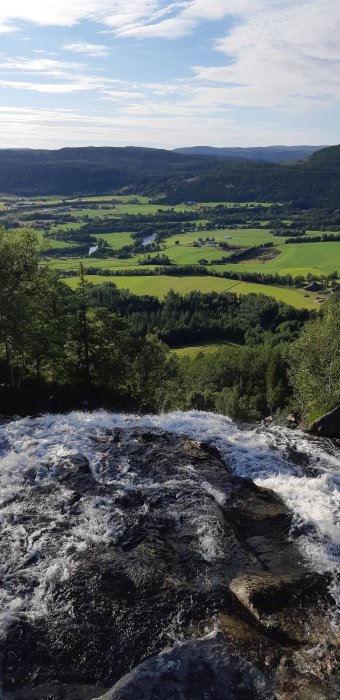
{"x":304,"y":471}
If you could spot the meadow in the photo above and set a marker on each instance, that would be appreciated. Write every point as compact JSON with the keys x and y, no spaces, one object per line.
{"x":192,"y":350}
{"x":159,"y":286}
{"x":295,"y":259}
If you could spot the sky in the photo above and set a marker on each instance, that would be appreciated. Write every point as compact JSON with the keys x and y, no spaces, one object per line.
{"x":169,"y":74}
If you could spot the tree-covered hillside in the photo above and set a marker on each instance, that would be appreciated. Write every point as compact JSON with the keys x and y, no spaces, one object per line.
{"x":90,"y":170}
{"x":269,"y":154}
{"x":313,"y":182}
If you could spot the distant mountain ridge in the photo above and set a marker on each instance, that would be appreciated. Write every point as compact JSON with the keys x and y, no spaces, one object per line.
{"x":268,"y":154}
{"x":312,"y":181}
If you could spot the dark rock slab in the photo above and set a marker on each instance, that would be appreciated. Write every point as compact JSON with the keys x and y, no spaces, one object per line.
{"x":328,"y":425}
{"x":199,"y":670}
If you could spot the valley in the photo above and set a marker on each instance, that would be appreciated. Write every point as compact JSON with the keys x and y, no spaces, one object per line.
{"x":149,"y":247}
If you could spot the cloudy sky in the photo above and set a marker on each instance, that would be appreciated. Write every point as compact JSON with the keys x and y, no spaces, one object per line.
{"x":167,"y":74}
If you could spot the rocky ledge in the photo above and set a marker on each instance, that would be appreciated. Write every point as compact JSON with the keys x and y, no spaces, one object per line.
{"x":158,"y":574}
{"x":328,"y":425}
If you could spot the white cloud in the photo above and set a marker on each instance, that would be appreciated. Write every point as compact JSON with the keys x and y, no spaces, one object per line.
{"x":5,"y":28}
{"x":53,"y":88}
{"x":57,"y":128}
{"x":74,"y":76}
{"x":134,"y":18}
{"x":44,"y":66}
{"x":96,"y":50}
{"x":282,"y":55}
{"x":68,"y":13}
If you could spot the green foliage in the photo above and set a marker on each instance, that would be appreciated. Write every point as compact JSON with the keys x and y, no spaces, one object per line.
{"x":277,"y":389}
{"x":237,"y":381}
{"x":32,"y":301}
{"x":315,"y":363}
{"x":153,"y":369}
{"x":201,"y":317}
{"x":51,"y":334}
{"x":111,"y":342}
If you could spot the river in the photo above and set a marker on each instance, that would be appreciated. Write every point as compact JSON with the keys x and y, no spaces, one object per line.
{"x":93,"y":249}
{"x":147,"y":240}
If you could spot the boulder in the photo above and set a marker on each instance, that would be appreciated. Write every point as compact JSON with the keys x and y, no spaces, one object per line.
{"x":200,"y":669}
{"x":328,"y":425}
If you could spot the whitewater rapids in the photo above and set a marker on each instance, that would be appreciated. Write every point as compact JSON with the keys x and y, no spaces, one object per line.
{"x":302,"y":470}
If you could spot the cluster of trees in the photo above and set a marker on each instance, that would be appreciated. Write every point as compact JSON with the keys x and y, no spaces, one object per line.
{"x":249,"y":253}
{"x":248,"y":383}
{"x":105,"y":345}
{"x":155,"y":259}
{"x":50,"y":337}
{"x":198,"y":317}
{"x":315,"y":364}
{"x":324,"y":238}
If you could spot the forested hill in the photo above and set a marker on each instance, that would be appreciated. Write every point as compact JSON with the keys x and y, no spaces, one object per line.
{"x":269,"y":154}
{"x":92,"y":170}
{"x":313,"y":182}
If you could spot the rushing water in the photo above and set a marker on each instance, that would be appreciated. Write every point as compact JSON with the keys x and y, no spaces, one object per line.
{"x":302,"y":469}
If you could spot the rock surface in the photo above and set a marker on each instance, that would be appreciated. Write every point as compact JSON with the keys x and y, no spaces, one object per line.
{"x":152,"y":542}
{"x":199,"y":669}
{"x":328,"y":425}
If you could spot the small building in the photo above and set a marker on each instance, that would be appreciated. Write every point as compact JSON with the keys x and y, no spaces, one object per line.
{"x":313,"y":287}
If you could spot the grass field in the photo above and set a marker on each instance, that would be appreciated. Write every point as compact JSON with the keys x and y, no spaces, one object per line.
{"x":45,"y":243}
{"x":296,"y":259}
{"x":106,"y":263}
{"x":159,"y":286}
{"x":117,"y":240}
{"x":239,"y":237}
{"x":187,"y":255}
{"x":193,"y":350}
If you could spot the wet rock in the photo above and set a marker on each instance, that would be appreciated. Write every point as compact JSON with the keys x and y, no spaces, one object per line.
{"x":117,"y":559}
{"x":57,"y":691}
{"x":328,"y":425}
{"x":199,"y":669}
{"x":284,"y":603}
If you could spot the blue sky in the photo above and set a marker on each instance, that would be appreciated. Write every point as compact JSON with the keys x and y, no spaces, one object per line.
{"x":168,"y":74}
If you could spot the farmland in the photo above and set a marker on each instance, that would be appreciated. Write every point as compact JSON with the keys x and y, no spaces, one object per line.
{"x":159,"y":286}
{"x":134,"y":233}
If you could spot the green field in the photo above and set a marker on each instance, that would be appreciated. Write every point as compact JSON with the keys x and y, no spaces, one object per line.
{"x":295,"y":259}
{"x":187,"y":255}
{"x":45,"y":243}
{"x":239,"y":237}
{"x":117,"y":240}
{"x":193,"y":350}
{"x":159,"y":286}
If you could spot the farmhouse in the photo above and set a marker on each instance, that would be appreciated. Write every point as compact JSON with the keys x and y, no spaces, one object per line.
{"x":313,"y":287}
